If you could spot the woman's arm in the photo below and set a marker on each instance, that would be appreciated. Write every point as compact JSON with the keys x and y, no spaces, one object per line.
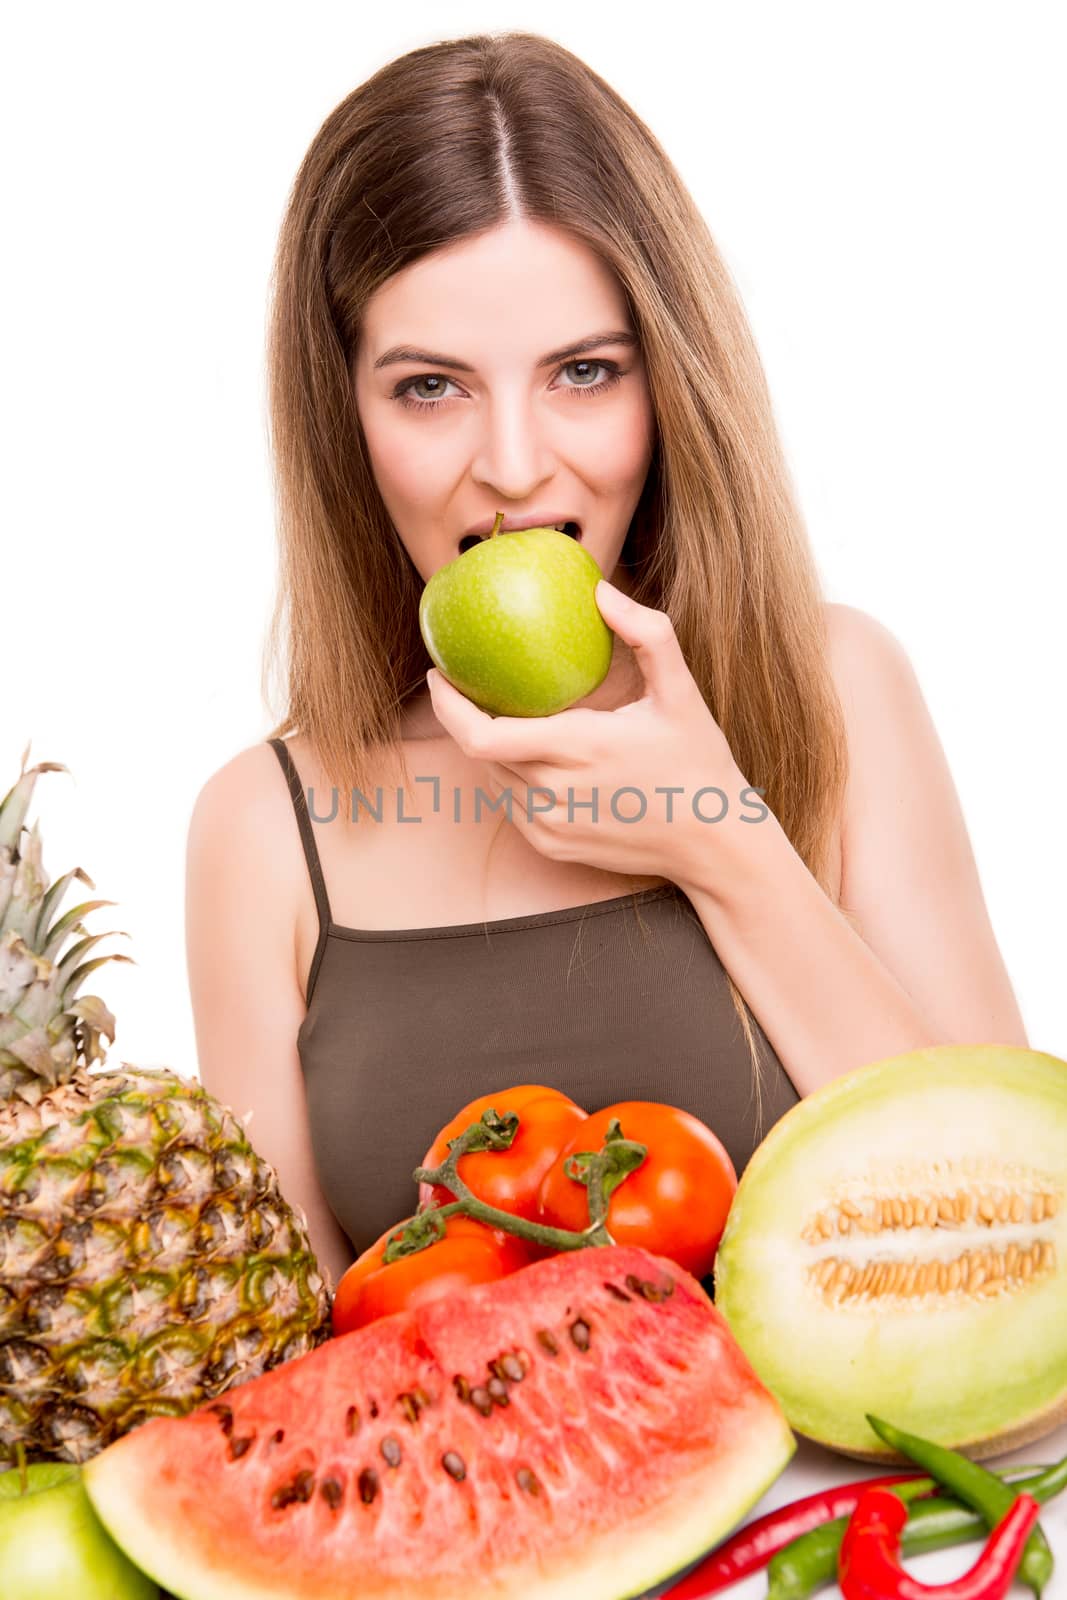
{"x":920,"y":964}
{"x":246,"y":996}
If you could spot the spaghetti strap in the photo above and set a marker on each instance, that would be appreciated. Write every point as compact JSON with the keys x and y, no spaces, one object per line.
{"x":311,"y":854}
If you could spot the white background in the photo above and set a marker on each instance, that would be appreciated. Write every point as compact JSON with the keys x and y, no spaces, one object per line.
{"x":885,"y":181}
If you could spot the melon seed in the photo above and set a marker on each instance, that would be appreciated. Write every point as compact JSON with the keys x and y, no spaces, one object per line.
{"x":454,"y":1465}
{"x":390,"y":1449}
{"x":580,"y":1333}
{"x":526,"y":1480}
{"x":620,"y":1294}
{"x":368,"y":1485}
{"x":352,"y":1420}
{"x":276,"y":1438}
{"x":461,"y":1386}
{"x":508,"y":1367}
{"x":994,"y":1205}
{"x":979,"y":1272}
{"x":546,"y":1341}
{"x":332,"y":1492}
{"x":239,"y":1446}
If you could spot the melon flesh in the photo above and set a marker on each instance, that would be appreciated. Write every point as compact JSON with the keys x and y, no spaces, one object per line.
{"x":981,"y":1130}
{"x":586,"y":1426}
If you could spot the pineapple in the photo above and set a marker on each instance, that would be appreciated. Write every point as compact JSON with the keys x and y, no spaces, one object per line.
{"x":147,"y":1258}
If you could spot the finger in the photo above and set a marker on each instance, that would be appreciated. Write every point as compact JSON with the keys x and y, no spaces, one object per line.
{"x":651,"y":636}
{"x":562,"y":739}
{"x":528,"y":795}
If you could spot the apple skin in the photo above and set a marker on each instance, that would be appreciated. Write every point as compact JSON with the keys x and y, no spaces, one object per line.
{"x":53,"y":1546}
{"x":513,"y":623}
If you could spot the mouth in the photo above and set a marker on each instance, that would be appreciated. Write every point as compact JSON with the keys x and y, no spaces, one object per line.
{"x":571,"y":529}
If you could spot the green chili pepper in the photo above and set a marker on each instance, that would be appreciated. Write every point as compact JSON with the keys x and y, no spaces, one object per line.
{"x":977,"y":1487}
{"x":810,"y":1562}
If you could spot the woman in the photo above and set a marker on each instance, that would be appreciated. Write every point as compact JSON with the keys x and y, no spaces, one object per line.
{"x":493,"y":293}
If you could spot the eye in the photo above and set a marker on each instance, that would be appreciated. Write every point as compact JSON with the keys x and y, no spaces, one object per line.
{"x":402,"y":392}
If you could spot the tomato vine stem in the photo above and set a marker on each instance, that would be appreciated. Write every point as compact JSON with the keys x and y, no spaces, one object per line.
{"x":601,"y":1171}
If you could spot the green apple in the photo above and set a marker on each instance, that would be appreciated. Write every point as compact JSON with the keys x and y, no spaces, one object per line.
{"x":52,"y":1546}
{"x":514,"y":623}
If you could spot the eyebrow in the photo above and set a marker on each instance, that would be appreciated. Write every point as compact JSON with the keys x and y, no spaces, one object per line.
{"x":593,"y":341}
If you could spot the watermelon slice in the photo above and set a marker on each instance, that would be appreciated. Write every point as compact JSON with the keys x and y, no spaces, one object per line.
{"x":587,"y":1425}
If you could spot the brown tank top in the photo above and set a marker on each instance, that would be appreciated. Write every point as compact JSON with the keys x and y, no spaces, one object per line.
{"x":623,"y":999}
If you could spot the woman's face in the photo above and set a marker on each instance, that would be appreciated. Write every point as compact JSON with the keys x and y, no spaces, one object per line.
{"x":513,"y":418}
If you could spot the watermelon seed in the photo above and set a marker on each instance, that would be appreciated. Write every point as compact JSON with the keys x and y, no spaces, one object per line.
{"x":296,"y":1492}
{"x":239,"y":1446}
{"x":352,"y":1420}
{"x":390,"y":1448}
{"x":580,"y":1334}
{"x":332,"y":1492}
{"x":651,"y":1291}
{"x":461,"y":1386}
{"x":620,"y":1294}
{"x":374,"y":1408}
{"x":508,"y":1366}
{"x":410,"y":1405}
{"x":526,"y":1480}
{"x":454,"y":1465}
{"x":546,"y":1341}
{"x":481,"y":1401}
{"x":225,"y":1416}
{"x":498,"y":1391}
{"x":276,"y":1438}
{"x":368,"y":1485}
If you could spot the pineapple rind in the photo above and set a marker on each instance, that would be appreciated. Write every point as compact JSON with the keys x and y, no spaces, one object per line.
{"x":148,"y":1260}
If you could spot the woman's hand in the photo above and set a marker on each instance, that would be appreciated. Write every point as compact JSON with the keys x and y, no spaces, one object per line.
{"x":582,"y":758}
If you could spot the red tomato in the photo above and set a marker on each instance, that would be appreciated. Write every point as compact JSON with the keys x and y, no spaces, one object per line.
{"x":509,"y":1179}
{"x":469,"y":1253}
{"x":674,"y":1204}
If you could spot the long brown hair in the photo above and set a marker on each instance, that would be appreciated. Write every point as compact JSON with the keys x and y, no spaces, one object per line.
{"x":448,"y":140}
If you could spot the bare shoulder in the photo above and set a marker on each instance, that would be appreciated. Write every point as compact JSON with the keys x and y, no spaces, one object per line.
{"x":861,"y":650}
{"x":910,"y":879}
{"x":242,"y":828}
{"x":879,"y":696}
{"x":886,"y":717}
{"x":250,"y":783}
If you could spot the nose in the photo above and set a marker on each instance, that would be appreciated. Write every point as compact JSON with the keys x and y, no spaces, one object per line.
{"x":514,"y":454}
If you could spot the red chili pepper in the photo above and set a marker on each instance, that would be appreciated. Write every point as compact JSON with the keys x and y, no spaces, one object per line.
{"x":754,"y":1545}
{"x":869,"y":1566}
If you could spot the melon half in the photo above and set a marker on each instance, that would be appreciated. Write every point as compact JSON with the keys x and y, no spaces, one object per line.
{"x":897,"y":1245}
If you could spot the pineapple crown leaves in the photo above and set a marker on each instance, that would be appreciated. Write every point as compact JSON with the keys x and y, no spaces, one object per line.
{"x":46,"y":1029}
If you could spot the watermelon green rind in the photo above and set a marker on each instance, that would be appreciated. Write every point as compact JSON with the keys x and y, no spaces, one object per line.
{"x":962,"y":1373}
{"x":648,"y":1447}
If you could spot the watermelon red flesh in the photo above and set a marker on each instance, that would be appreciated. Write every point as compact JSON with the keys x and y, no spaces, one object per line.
{"x":608,"y":1465}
